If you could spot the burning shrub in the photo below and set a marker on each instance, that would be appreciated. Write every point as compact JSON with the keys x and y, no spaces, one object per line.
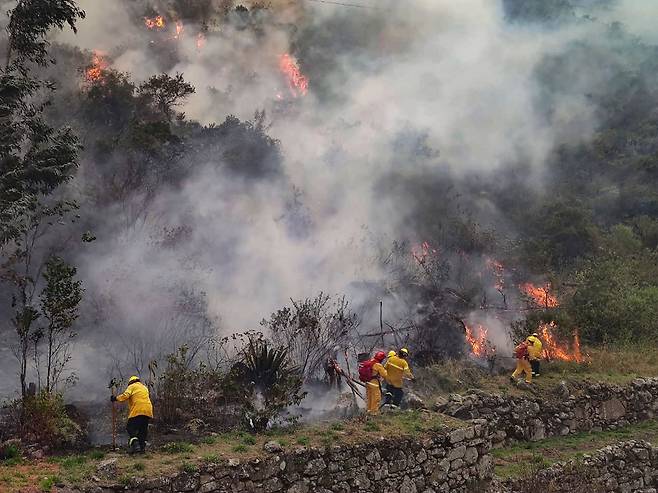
{"x":266,"y":382}
{"x":311,"y":330}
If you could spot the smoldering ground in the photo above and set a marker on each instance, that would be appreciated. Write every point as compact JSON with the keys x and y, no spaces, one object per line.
{"x":409,"y":104}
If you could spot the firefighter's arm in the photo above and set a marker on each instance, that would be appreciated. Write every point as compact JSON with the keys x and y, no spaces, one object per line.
{"x":125,"y":396}
{"x":381,"y":371}
{"x":407,"y":372}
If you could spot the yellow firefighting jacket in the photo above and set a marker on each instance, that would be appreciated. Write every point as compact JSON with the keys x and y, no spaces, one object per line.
{"x":534,"y":347}
{"x":139,"y":403}
{"x":397,"y":369}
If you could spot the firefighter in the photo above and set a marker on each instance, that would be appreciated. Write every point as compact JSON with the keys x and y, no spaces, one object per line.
{"x":521,"y":354}
{"x":397,"y":368}
{"x":140,"y":411}
{"x":534,"y":352}
{"x":371,"y":372}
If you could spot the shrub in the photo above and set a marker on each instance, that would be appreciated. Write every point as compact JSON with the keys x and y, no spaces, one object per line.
{"x":265,"y":382}
{"x":45,"y":421}
{"x":177,"y":448}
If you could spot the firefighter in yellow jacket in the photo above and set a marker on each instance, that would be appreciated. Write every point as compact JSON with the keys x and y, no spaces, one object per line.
{"x":140,"y":411}
{"x":534,"y":352}
{"x":373,"y":385}
{"x":397,"y":369}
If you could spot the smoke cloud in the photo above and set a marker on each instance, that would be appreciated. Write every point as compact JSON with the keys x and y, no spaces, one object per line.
{"x":398,"y":91}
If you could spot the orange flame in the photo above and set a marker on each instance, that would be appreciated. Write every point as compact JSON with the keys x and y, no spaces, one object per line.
{"x":539,"y":295}
{"x":498,"y":272}
{"x":297,"y":81}
{"x":480,"y":345}
{"x":422,"y":251}
{"x":553,"y":350}
{"x":96,"y":70}
{"x":157,"y":22}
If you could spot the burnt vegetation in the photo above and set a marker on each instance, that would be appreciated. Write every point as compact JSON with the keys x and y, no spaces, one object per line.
{"x":88,"y":152}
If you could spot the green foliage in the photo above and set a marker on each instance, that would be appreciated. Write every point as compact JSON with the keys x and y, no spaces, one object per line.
{"x":31,"y":20}
{"x":188,"y":467}
{"x":97,"y":455}
{"x":48,"y":483}
{"x":34,"y":157}
{"x":617,"y":298}
{"x":210,"y":440}
{"x":211,"y":458}
{"x":45,"y":421}
{"x":60,"y":300}
{"x":266,"y":382}
{"x":10,"y":454}
{"x":164,"y":92}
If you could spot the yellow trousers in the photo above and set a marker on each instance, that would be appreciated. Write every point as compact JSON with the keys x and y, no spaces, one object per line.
{"x":373,"y":396}
{"x":523,"y":366}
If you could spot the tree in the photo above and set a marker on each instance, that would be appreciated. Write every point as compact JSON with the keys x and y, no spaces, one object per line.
{"x":34,"y":158}
{"x":60,"y":300}
{"x":23,"y":271}
{"x":311,"y":330}
{"x":165,"y":92}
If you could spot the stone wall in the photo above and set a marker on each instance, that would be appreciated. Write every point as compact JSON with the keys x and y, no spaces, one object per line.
{"x":441,"y":462}
{"x":453,"y":461}
{"x":628,"y":467}
{"x":590,"y":407}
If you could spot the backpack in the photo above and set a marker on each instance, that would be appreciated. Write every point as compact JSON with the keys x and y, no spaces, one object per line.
{"x":365,"y":370}
{"x":521,"y":351}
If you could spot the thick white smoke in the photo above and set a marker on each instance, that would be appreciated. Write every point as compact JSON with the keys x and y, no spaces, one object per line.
{"x":456,"y":71}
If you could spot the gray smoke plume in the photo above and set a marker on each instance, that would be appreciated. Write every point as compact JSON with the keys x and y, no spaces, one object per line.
{"x":398,"y":92}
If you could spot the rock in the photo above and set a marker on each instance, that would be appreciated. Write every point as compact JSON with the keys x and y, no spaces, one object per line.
{"x":562,"y":390}
{"x":272,"y":447}
{"x":299,"y":487}
{"x":413,"y":401}
{"x":107,"y":468}
{"x":612,"y":409}
{"x":314,"y":467}
{"x":457,"y":436}
{"x":471,"y":455}
{"x":195,"y":425}
{"x":440,"y":403}
{"x":537,"y":431}
{"x":37,"y":454}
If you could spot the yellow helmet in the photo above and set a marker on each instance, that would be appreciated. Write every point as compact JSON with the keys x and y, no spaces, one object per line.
{"x":391,"y":353}
{"x":404,"y":351}
{"x":133,"y":379}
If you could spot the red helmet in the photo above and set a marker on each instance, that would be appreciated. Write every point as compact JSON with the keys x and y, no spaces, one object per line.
{"x":380,"y":356}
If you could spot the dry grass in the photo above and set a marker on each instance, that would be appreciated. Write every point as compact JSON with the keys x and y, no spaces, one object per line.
{"x":78,"y":469}
{"x":612,"y":364}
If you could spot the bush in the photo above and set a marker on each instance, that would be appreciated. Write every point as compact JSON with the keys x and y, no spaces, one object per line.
{"x":617,"y":298}
{"x":264,"y":382}
{"x":45,"y":421}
